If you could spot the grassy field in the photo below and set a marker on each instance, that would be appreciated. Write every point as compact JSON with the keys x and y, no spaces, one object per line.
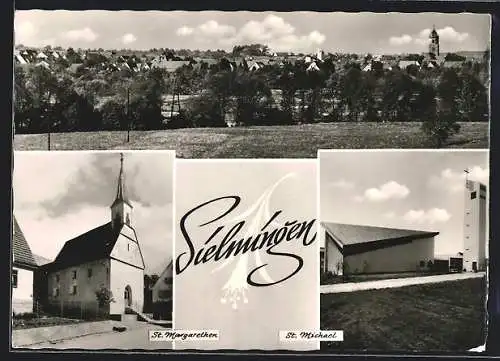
{"x":296,"y":141}
{"x":21,"y":323}
{"x":444,"y":317}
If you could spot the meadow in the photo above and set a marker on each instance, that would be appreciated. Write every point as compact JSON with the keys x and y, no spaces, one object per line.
{"x":293,"y":141}
{"x":441,"y":317}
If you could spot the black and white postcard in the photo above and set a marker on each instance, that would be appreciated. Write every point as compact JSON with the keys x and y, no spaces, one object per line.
{"x":92,"y":249}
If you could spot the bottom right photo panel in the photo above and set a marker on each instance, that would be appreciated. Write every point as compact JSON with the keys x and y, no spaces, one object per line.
{"x":404,"y":249}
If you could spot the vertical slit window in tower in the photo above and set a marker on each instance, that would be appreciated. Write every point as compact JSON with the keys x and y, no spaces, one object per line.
{"x":473,"y":195}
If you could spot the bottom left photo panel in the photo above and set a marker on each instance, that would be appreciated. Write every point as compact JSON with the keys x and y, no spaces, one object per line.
{"x":92,"y":249}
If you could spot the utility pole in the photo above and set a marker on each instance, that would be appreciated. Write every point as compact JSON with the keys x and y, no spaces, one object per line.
{"x":128,"y":115}
{"x":173,"y":98}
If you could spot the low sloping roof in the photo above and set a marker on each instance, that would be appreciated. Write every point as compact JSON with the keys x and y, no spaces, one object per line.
{"x":20,"y":248}
{"x":354,"y":239}
{"x":89,"y":246}
{"x":41,"y":261}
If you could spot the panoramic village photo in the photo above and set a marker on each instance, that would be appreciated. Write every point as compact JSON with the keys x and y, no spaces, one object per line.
{"x":92,"y":249}
{"x":404,"y":249}
{"x":213,"y":84}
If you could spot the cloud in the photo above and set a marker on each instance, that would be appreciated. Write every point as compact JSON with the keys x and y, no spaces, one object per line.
{"x":446,"y":34}
{"x":431,"y":216}
{"x":24,"y":31}
{"x":184,"y":31}
{"x":342,"y":184}
{"x":51,"y":180}
{"x":272,"y":31}
{"x":450,"y":34}
{"x":213,"y":28}
{"x":387,"y":191}
{"x":454,"y":181}
{"x":128,"y":38}
{"x":390,"y":215}
{"x":85,"y":34}
{"x":400,"y":40}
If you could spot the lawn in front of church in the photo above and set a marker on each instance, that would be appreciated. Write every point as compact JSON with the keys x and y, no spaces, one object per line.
{"x":441,"y":317}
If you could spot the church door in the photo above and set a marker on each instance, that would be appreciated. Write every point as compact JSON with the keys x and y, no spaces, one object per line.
{"x":128,"y":296}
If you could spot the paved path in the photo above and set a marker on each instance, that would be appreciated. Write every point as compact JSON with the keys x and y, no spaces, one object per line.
{"x":396,"y":282}
{"x":133,"y":339}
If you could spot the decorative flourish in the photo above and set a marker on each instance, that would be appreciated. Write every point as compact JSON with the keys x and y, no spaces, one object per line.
{"x":235,"y":289}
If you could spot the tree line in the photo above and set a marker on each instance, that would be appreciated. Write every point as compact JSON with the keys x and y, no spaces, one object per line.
{"x":274,"y":94}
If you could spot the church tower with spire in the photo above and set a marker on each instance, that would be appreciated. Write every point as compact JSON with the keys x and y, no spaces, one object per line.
{"x":121,"y":209}
{"x":434,"y":43}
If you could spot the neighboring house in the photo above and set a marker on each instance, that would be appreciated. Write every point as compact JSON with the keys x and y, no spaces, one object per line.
{"x":43,"y":64}
{"x":312,"y":67}
{"x":255,"y":65}
{"x":105,"y":258}
{"x":351,"y":249}
{"x":41,"y":55}
{"x":169,"y":65}
{"x":20,"y":60}
{"x":403,"y":64}
{"x":25,"y":265}
{"x":163,"y":294}
{"x":452,"y":64}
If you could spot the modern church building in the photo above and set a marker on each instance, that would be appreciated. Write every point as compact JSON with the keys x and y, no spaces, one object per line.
{"x":475,"y":208}
{"x":353,"y":249}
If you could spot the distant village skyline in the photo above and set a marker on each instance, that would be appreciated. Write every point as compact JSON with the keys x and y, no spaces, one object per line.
{"x":295,"y":32}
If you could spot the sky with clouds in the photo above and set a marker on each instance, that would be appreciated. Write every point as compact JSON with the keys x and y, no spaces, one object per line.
{"x":60,"y":195}
{"x":421,"y":190}
{"x":292,"y":31}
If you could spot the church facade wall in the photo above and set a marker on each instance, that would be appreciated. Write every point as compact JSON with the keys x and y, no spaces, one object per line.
{"x":401,"y":258}
{"x":123,"y":275}
{"x":72,"y":290}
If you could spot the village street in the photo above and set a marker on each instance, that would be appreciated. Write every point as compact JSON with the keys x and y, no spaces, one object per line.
{"x":396,"y":282}
{"x":136,"y":338}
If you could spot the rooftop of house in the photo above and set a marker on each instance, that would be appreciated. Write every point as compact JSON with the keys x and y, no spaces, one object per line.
{"x":98,"y":243}
{"x":21,"y":250}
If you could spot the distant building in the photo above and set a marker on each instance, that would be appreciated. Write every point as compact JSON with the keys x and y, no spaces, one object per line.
{"x":25,"y":265}
{"x":434,"y":43}
{"x":108,"y":258}
{"x":475,"y":227}
{"x":352,"y":249}
{"x":163,"y":293}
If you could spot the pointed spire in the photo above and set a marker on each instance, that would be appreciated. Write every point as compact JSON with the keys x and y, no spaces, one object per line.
{"x":120,"y":191}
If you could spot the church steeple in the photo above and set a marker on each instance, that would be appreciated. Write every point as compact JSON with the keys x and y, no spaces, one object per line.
{"x":434,"y":43}
{"x":121,"y":208}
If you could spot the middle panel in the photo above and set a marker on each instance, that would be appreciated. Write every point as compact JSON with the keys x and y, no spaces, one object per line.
{"x":246,"y":252}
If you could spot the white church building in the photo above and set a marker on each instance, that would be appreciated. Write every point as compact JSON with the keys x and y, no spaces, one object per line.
{"x":104,"y":258}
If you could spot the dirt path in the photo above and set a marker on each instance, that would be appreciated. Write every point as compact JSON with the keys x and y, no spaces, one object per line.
{"x":396,"y":282}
